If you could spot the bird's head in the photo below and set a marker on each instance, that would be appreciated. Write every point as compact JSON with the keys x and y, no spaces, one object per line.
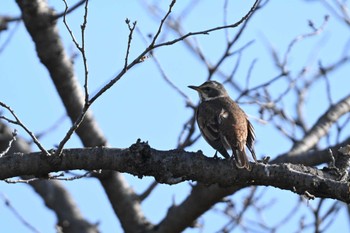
{"x":210,"y":90}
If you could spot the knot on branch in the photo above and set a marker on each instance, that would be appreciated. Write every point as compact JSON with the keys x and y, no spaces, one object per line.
{"x":342,"y":160}
{"x":140,"y":149}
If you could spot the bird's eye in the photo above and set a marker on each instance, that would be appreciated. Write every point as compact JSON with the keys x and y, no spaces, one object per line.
{"x":206,"y":89}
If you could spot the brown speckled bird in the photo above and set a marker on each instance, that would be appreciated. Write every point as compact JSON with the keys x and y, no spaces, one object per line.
{"x":223,"y":123}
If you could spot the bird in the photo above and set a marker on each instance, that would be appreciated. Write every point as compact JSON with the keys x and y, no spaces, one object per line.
{"x":223,"y":124}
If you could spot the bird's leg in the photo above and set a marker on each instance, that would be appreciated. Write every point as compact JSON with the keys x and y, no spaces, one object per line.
{"x":232,"y":157}
{"x":232,"y":161}
{"x":216,"y":155}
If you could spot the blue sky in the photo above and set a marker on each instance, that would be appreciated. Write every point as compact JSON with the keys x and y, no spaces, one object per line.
{"x":142,"y":105}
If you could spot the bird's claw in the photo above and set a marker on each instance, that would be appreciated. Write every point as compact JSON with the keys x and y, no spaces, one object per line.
{"x":216,"y":155}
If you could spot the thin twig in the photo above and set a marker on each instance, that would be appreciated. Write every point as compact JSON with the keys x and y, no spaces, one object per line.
{"x":206,"y":32}
{"x":148,"y":191}
{"x":250,"y":70}
{"x":60,"y":176}
{"x":72,"y":129}
{"x":161,"y":24}
{"x":18,"y":215}
{"x":316,"y":31}
{"x":67,"y":26}
{"x":150,"y":48}
{"x":187,"y":140}
{"x":14,"y":134}
{"x":83,"y":27}
{"x":9,"y":37}
{"x":53,"y":127}
{"x":81,"y":48}
{"x":131,"y":31}
{"x":263,"y":85}
{"x":71,"y":9}
{"x":19,"y":122}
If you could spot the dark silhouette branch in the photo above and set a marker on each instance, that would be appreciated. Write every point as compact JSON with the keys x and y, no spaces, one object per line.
{"x":25,"y":223}
{"x":68,"y":214}
{"x":322,"y":126}
{"x":17,"y":121}
{"x":201,"y":199}
{"x":176,"y":166}
{"x":70,"y":10}
{"x":312,"y":157}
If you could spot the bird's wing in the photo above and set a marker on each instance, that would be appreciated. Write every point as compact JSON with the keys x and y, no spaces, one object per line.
{"x":209,"y":125}
{"x":233,"y":125}
{"x":251,"y":139}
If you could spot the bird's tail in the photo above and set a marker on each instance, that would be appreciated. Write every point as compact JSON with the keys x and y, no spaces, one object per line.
{"x":241,"y":159}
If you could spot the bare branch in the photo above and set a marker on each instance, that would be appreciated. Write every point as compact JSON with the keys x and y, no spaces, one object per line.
{"x":72,"y":129}
{"x":19,"y":122}
{"x":267,"y":83}
{"x":148,"y":191}
{"x":141,"y":160}
{"x":83,"y":27}
{"x":312,"y":157}
{"x":131,"y":31}
{"x":60,"y":176}
{"x":151,"y":46}
{"x":167,"y":79}
{"x":70,"y":10}
{"x":81,"y":48}
{"x":10,"y":36}
{"x":322,"y":126}
{"x":299,"y":38}
{"x":18,"y":215}
{"x":68,"y":28}
{"x":7,"y":149}
{"x":51,"y":128}
{"x":206,"y":32}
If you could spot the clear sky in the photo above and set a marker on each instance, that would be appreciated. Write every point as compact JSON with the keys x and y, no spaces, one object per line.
{"x":142,"y":105}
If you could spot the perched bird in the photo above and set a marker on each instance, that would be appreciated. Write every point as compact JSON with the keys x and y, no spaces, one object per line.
{"x":223,"y":123}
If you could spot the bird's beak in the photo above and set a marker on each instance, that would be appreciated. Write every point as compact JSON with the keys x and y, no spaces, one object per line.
{"x":194,"y":88}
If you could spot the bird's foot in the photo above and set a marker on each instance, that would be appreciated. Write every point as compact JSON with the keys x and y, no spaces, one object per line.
{"x":216,"y":155}
{"x":265,"y":160}
{"x":238,"y":165}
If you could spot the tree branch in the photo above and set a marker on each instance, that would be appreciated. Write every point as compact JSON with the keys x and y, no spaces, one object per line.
{"x":312,"y":157}
{"x":321,"y":127}
{"x":17,"y":121}
{"x":201,"y":199}
{"x":176,"y":166}
{"x":37,"y":17}
{"x":54,"y":195}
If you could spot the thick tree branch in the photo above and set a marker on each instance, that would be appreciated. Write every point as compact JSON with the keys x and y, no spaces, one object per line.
{"x":68,"y":213}
{"x":321,"y":127}
{"x":312,"y":157}
{"x":175,"y":166}
{"x":201,"y":199}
